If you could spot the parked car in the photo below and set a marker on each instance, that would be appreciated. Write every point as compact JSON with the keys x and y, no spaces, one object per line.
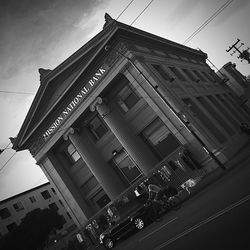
{"x":135,"y":221}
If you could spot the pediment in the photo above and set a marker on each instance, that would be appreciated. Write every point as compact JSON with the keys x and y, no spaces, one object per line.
{"x":58,"y":81}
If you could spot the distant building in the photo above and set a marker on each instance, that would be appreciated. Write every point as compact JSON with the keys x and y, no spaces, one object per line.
{"x":237,"y":82}
{"x":127,"y":104}
{"x":15,"y":208}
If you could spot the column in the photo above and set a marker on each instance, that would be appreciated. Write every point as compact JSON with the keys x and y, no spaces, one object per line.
{"x":68,"y":192}
{"x":105,"y":174}
{"x":135,"y":147}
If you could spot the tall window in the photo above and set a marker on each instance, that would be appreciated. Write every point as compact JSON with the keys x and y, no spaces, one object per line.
{"x":177,"y":73}
{"x":126,"y":166}
{"x":18,"y":206}
{"x":73,"y":154}
{"x":32,"y":199}
{"x":160,"y":139}
{"x":162,"y":72}
{"x":206,"y":122}
{"x":126,"y":98}
{"x":199,"y":75}
{"x":97,"y":127}
{"x":189,"y":74}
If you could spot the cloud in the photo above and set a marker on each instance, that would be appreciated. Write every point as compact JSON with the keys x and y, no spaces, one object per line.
{"x":31,"y":29}
{"x":232,"y":9}
{"x":182,"y":10}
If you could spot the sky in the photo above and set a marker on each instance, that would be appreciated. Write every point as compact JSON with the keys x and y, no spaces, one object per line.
{"x":41,"y":34}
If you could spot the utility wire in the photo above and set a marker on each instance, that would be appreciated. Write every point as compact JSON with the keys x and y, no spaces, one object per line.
{"x":207,"y":21}
{"x":7,"y":161}
{"x":124,"y":9}
{"x":141,"y":12}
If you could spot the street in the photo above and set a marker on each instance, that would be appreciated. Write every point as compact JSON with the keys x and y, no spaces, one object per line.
{"x":218,"y":217}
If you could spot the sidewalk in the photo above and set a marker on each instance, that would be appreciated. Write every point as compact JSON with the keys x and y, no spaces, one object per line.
{"x":239,"y":158}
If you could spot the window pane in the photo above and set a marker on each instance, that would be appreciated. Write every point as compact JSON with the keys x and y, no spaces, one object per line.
{"x":53,"y":206}
{"x":160,"y":138}
{"x":45,"y":194}
{"x":71,"y":149}
{"x":97,"y":128}
{"x":177,"y":73}
{"x":18,"y":206}
{"x":162,"y":72}
{"x":127,"y":167}
{"x":126,"y":98}
{"x":5,"y":213}
{"x":74,"y":155}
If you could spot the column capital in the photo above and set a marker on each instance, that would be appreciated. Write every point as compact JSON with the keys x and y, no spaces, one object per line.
{"x":70,"y":131}
{"x":95,"y":103}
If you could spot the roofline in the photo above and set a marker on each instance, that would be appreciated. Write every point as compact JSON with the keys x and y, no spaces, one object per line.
{"x":27,"y":191}
{"x":113,"y":27}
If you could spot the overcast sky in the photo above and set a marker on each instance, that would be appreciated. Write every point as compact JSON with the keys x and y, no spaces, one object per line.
{"x":43,"y":33}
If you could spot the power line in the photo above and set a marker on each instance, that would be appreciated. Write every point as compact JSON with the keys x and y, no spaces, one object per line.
{"x":142,"y":12}
{"x":7,"y":161}
{"x":124,"y":9}
{"x":208,"y":21}
{"x":2,"y":150}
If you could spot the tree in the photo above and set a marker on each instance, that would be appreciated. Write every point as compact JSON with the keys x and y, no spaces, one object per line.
{"x":33,"y":231}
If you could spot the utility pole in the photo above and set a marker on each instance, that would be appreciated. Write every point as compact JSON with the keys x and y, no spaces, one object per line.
{"x":243,"y":54}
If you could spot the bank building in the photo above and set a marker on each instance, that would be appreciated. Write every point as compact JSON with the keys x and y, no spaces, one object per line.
{"x":125,"y":105}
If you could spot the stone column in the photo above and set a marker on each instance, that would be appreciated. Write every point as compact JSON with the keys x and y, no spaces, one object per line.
{"x":105,"y":174}
{"x":68,"y":192}
{"x":135,"y":147}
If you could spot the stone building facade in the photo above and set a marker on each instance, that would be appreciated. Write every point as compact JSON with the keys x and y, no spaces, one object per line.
{"x":123,"y":105}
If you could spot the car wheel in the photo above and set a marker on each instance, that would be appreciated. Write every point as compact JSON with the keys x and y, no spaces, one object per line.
{"x":139,"y":223}
{"x":108,"y":243}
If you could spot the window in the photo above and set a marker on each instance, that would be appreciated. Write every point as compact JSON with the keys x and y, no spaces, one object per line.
{"x":11,"y":226}
{"x":126,"y":166}
{"x":18,"y":206}
{"x":53,"y":190}
{"x":159,"y":138}
{"x":189,"y":74}
{"x":126,"y":98}
{"x":73,"y":154}
{"x":89,"y":185}
{"x":162,"y":72}
{"x":69,"y":215}
{"x":32,"y":199}
{"x":97,"y":127}
{"x":61,"y":203}
{"x":209,"y":77}
{"x":199,"y":75}
{"x":177,"y":73}
{"x":45,"y":194}
{"x":216,"y":115}
{"x":206,"y":122}
{"x":5,"y":213}
{"x":53,"y":206}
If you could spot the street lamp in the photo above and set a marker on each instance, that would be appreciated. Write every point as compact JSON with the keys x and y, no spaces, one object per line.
{"x":181,"y":117}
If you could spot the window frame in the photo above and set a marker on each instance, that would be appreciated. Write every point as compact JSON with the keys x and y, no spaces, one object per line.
{"x":94,"y":132}
{"x":124,"y":106}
